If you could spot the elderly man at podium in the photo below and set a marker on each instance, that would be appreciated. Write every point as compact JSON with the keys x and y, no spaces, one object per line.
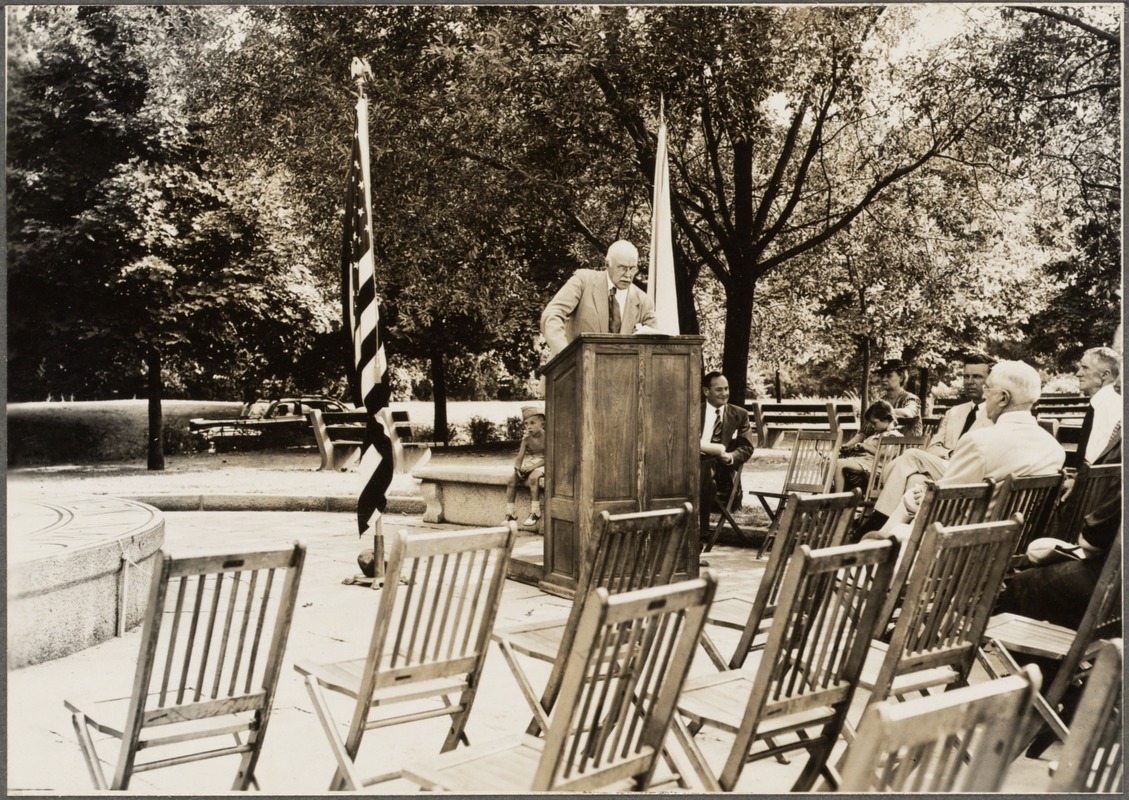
{"x":725,"y":444}
{"x":598,"y":301}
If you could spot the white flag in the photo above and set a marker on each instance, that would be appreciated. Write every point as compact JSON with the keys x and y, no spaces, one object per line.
{"x":660,"y":286}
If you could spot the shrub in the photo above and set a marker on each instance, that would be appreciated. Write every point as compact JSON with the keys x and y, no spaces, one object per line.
{"x":482,"y":431}
{"x":515,"y":428}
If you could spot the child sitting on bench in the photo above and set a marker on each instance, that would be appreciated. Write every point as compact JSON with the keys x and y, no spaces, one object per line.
{"x":529,"y":466}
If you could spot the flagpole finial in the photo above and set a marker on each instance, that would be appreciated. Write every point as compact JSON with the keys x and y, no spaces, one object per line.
{"x":361,"y":72}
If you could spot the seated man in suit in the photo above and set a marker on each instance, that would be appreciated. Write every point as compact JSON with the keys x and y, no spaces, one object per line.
{"x":916,"y":466}
{"x":1014,"y":445}
{"x":726,"y":444}
{"x":598,"y":301}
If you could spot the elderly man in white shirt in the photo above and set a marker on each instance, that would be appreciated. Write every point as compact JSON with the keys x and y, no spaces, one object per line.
{"x":1098,"y":371}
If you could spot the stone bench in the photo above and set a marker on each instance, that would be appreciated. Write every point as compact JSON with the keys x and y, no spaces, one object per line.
{"x":469,"y":495}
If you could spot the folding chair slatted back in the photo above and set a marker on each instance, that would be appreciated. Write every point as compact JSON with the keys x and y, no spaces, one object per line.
{"x":211,"y":646}
{"x":816,"y":647}
{"x":889,"y":448}
{"x":818,"y":521}
{"x":631,"y":656}
{"x":632,"y":551}
{"x":811,"y":470}
{"x":1091,"y":486}
{"x":963,"y":504}
{"x":949,"y":595}
{"x":1092,"y":758}
{"x":958,"y":741}
{"x":435,"y":621}
{"x":811,"y":467}
{"x":1033,"y":498}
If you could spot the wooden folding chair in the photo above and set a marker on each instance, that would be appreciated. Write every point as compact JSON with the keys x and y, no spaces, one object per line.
{"x":817,"y":521}
{"x":211,"y":650}
{"x":725,"y":511}
{"x":1091,"y":486}
{"x":1008,"y":634}
{"x":631,"y":551}
{"x":959,"y":741}
{"x":949,"y":594}
{"x":889,"y":448}
{"x":962,"y":504}
{"x":798,"y":688}
{"x":628,"y":662}
{"x":811,"y":470}
{"x":1031,"y":496}
{"x":428,"y":645}
{"x":1092,"y":759}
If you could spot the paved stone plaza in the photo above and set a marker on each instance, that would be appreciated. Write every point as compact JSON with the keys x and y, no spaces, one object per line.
{"x":332,"y":621}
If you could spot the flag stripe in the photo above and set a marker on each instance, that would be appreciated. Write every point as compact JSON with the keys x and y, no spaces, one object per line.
{"x":361,"y":314}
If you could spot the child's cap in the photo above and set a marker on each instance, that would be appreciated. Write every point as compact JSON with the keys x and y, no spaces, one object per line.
{"x":531,"y":411}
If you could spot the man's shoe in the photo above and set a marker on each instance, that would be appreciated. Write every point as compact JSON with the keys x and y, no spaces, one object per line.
{"x":509,"y":518}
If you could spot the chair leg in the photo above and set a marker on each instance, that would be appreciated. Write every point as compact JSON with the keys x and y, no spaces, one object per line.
{"x":694,"y":759}
{"x":245,"y":776}
{"x":714,"y":654}
{"x":88,"y":751}
{"x":346,"y":777}
{"x":540,"y":721}
{"x":457,"y":733}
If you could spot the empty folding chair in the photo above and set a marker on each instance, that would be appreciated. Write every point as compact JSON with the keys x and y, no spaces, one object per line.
{"x":629,"y":659}
{"x":211,"y":651}
{"x":959,"y":741}
{"x":811,"y":470}
{"x":428,"y":645}
{"x":794,"y":694}
{"x":1092,"y":759}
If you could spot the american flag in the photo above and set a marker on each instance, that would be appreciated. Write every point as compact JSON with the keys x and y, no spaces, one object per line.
{"x":368,"y":366}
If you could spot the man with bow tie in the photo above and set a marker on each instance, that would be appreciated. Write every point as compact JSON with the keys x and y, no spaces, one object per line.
{"x":726,"y":444}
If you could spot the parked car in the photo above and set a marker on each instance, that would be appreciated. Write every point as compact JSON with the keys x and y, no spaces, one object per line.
{"x":265,"y":423}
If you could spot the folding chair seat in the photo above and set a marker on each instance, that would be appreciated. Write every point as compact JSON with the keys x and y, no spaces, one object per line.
{"x":811,"y":470}
{"x":951,"y":587}
{"x":959,"y":741}
{"x":211,"y":651}
{"x":428,"y":645}
{"x":1009,"y":634}
{"x":797,"y":689}
{"x":631,"y":551}
{"x":629,"y":659}
{"x":1092,"y":759}
{"x":817,"y":521}
{"x":1033,"y":497}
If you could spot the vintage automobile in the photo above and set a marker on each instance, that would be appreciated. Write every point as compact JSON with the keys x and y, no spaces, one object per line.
{"x":264,"y":423}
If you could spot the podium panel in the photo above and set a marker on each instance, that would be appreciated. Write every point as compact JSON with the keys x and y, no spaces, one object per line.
{"x":621,"y":436}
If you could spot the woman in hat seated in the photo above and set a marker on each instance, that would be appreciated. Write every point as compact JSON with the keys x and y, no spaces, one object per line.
{"x":907,"y":406}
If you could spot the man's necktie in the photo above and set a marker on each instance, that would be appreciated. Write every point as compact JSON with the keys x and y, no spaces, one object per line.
{"x":715,"y":437}
{"x":615,"y":321}
{"x":971,"y":418}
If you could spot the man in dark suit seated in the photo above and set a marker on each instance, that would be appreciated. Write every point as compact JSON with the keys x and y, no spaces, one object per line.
{"x":726,"y":444}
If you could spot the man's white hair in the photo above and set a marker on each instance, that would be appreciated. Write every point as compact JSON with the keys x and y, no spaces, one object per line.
{"x":1019,"y":379}
{"x":1107,"y":358}
{"x":622,"y":252}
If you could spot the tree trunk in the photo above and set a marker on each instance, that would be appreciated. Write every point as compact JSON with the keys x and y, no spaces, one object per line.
{"x":738,"y":328}
{"x":156,"y":422}
{"x":439,"y":388}
{"x":864,"y":386}
{"x":684,"y":291}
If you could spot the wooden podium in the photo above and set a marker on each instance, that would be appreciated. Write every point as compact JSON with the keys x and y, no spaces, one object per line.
{"x":622,"y":431}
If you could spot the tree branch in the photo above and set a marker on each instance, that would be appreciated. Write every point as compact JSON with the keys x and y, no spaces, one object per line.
{"x":1104,"y":35}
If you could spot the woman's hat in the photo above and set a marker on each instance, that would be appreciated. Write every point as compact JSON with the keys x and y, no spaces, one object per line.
{"x":891,"y":365}
{"x":531,"y":411}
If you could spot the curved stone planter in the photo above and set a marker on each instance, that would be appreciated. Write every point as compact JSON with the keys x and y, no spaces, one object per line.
{"x":78,"y":572}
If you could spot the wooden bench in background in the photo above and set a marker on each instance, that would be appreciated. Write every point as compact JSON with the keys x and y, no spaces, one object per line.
{"x":773,"y":420}
{"x":340,"y":434}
